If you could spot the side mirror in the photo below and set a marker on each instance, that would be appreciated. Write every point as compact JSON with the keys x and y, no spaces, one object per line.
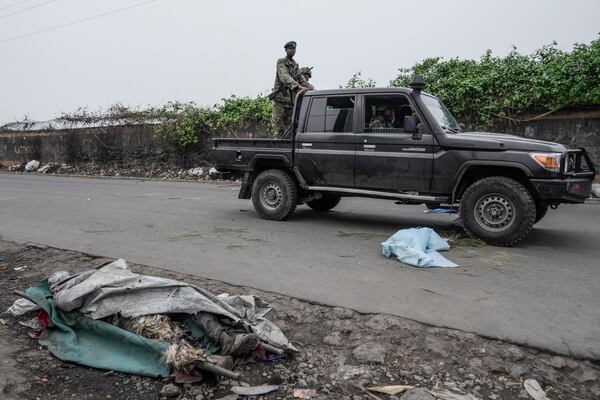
{"x":410,"y":124}
{"x":462,"y":126}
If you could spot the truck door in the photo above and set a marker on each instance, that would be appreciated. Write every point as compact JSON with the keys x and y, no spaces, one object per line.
{"x":387,"y":158}
{"x":325,"y":145}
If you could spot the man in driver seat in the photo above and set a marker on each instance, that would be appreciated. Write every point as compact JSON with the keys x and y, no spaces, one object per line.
{"x":384,"y":117}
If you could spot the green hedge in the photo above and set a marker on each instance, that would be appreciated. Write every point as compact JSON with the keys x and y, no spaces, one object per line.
{"x":479,"y":91}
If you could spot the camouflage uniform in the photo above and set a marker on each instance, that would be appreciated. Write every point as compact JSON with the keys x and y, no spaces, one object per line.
{"x":283,"y":102}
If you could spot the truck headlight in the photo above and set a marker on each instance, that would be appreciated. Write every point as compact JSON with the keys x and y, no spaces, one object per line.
{"x":550,"y":161}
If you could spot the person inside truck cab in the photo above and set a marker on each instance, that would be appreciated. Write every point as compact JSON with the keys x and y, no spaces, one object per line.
{"x":384,"y":117}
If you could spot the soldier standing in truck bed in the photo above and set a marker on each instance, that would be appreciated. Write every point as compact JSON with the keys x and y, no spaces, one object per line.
{"x":288,"y":80}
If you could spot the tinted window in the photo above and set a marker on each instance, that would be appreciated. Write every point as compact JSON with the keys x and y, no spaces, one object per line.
{"x":316,"y":118}
{"x":333,"y":114}
{"x":340,"y":114}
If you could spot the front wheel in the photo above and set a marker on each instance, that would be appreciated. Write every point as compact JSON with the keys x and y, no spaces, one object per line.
{"x":274,"y":194}
{"x":498,"y":210}
{"x":325,"y":203}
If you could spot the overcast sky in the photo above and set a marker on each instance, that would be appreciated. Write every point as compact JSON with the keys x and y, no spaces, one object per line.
{"x":203,"y":51}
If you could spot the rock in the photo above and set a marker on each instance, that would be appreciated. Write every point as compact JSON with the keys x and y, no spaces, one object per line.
{"x":595,"y":391}
{"x":347,"y":372}
{"x":596,"y":189}
{"x":589,"y":375}
{"x":344,"y":325}
{"x":213,"y":173}
{"x":382,"y":322}
{"x":369,"y":353}
{"x":312,"y":381}
{"x":342,"y":313}
{"x":494,"y":364}
{"x":475,"y":362}
{"x":333,"y":339}
{"x":516,"y":371}
{"x":417,"y":394}
{"x":545,"y":373}
{"x":32,"y":165}
{"x":557,"y":362}
{"x":513,"y":353}
{"x":302,"y":383}
{"x":435,"y":345}
{"x":196,"y":171}
{"x":169,"y":390}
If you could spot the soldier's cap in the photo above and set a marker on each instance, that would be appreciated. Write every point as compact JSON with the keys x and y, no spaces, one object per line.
{"x":290,"y":45}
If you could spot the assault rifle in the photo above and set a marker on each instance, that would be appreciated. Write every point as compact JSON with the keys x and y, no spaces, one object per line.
{"x":282,"y":88}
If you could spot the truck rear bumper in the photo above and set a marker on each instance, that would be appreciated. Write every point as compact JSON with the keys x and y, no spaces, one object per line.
{"x":572,"y":190}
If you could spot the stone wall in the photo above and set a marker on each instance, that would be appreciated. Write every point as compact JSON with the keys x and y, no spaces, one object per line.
{"x":575,"y":128}
{"x":126,"y":145}
{"x":129,"y":145}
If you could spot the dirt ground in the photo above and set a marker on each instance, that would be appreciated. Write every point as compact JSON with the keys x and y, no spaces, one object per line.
{"x":341,"y":352}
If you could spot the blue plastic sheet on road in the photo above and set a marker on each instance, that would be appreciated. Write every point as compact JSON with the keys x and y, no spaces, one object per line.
{"x":418,"y":247}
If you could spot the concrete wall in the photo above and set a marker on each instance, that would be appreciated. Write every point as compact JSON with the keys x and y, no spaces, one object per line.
{"x":129,"y":145}
{"x":571,"y":128}
{"x":125,"y":145}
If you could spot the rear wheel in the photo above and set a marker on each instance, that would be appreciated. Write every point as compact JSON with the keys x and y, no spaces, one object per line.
{"x":325,"y":203}
{"x":274,"y":194}
{"x":498,"y":210}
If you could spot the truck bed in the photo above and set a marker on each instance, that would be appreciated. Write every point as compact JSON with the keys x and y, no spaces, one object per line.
{"x":232,"y":154}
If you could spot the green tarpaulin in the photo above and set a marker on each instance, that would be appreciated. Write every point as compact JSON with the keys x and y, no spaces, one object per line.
{"x":96,"y":343}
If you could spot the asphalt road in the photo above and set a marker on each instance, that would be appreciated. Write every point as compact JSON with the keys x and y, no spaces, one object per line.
{"x":544,"y":292}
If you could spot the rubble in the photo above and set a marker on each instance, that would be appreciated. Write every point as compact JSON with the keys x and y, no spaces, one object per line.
{"x":435,"y":361}
{"x":32,"y":165}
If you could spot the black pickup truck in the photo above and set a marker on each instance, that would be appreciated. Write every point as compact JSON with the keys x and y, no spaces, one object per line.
{"x":403,"y":144}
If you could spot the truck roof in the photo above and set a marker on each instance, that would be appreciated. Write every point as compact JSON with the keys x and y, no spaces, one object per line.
{"x":329,"y":92}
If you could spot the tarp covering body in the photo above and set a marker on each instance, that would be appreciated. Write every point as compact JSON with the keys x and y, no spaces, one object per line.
{"x":417,"y":247}
{"x":114,"y":289}
{"x":96,"y":343}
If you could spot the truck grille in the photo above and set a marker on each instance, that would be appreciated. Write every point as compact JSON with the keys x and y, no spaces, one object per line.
{"x":577,"y":162}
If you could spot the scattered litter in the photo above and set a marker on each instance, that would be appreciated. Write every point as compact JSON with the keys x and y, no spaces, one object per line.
{"x":22,"y":306}
{"x":199,"y":171}
{"x":213,"y":173}
{"x":3,"y":265}
{"x":45,"y":169}
{"x":417,"y":247}
{"x":33,"y":323}
{"x":32,"y":165}
{"x":3,"y":322}
{"x":596,"y":189}
{"x":254,"y":390}
{"x":444,"y":394}
{"x":304,"y":393}
{"x":534,"y":389}
{"x":393,"y":389}
{"x":442,"y":211}
{"x":19,"y":269}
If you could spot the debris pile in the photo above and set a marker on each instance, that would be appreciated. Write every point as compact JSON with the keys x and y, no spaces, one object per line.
{"x":148,"y":325}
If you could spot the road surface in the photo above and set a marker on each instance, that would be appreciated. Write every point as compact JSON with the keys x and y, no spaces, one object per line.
{"x":545,"y":292}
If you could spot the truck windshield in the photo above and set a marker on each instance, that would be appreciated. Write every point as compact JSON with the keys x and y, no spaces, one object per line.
{"x":441,"y":114}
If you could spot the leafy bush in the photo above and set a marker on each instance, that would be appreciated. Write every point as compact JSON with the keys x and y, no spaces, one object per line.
{"x":478,"y":91}
{"x":357,"y":81}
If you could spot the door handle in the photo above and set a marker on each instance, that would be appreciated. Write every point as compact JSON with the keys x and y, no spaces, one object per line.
{"x":369,"y":146}
{"x":306,"y":144}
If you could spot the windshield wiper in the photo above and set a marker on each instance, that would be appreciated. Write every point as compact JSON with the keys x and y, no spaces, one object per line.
{"x":453,"y":130}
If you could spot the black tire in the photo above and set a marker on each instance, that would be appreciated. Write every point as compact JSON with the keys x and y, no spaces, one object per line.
{"x":498,"y":210}
{"x":540,"y":211}
{"x":325,"y":203}
{"x":274,"y":194}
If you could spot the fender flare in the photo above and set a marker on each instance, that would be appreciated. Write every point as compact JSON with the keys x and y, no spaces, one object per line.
{"x":458,"y":177}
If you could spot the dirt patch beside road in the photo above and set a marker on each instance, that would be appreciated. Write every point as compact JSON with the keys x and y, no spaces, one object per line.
{"x":340,"y":350}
